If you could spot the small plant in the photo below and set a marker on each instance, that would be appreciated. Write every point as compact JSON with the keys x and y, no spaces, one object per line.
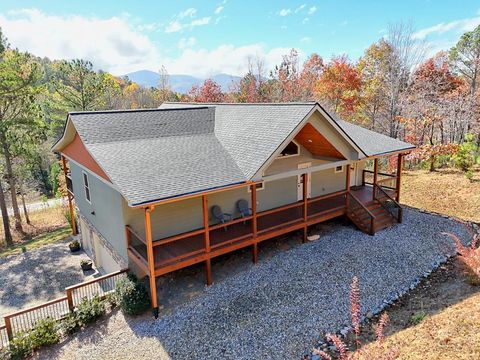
{"x":21,"y":346}
{"x":89,"y":310}
{"x":469,"y":255}
{"x":86,"y":265}
{"x":74,"y":246}
{"x":70,"y":324}
{"x":132,"y":295}
{"x":417,"y":318}
{"x":45,"y":333}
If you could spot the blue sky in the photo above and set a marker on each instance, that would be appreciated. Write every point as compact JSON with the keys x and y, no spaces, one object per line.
{"x":203,"y":38}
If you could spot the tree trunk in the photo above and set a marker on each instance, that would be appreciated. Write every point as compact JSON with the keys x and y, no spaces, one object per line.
{"x":27,"y":218}
{"x":6,"y":222}
{"x":11,"y":182}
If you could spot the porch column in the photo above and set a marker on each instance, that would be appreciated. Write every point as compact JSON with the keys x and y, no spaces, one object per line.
{"x":305,"y":205}
{"x":253,"y":190}
{"x":151,"y":260}
{"x":347,"y":184}
{"x":70,"y":199}
{"x":208,"y":262}
{"x":399,"y":176}
{"x":375,"y":176}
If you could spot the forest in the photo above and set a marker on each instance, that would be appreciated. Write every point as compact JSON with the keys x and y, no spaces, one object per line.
{"x":393,"y":88}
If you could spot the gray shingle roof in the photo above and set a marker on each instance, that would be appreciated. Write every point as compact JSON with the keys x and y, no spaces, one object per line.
{"x":186,"y":148}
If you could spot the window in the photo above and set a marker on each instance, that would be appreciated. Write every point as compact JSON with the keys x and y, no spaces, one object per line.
{"x":86,"y":187}
{"x":291,"y":149}
{"x":338,"y":169}
{"x":259,"y":186}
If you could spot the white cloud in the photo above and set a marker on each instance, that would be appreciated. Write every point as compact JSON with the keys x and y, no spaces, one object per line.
{"x":177,"y":25}
{"x":459,"y":26}
{"x":312,"y":10}
{"x":300,"y":8}
{"x":120,"y":47}
{"x":284,"y":12}
{"x":218,"y":10}
{"x":304,"y":21}
{"x":306,"y":39}
{"x":187,"y":42}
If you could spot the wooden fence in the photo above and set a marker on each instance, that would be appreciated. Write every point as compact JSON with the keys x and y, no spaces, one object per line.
{"x":57,"y":309}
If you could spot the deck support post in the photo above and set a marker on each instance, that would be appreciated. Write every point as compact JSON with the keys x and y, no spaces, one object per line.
{"x":375,"y":177}
{"x":305,"y":206}
{"x":347,"y":185}
{"x":399,"y":176}
{"x":70,"y":199}
{"x":208,"y":262}
{"x":151,"y":260}
{"x":253,"y":190}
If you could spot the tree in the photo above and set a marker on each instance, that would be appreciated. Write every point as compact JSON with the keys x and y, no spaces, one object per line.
{"x":287,"y":79}
{"x":20,"y":121}
{"x":78,"y":85}
{"x":465,"y":57}
{"x":210,"y":91}
{"x":309,"y":76}
{"x":339,"y":86}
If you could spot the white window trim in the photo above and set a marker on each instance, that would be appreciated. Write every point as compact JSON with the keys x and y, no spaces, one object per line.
{"x":338,"y":171}
{"x":289,"y":156}
{"x":262,"y":187}
{"x":85,"y":187}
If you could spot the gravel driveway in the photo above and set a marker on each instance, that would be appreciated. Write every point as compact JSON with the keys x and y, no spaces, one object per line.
{"x":37,"y":276}
{"x":278,"y":308}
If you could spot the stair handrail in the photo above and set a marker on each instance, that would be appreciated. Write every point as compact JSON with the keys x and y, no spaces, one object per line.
{"x":372,"y":216}
{"x":396,"y":204}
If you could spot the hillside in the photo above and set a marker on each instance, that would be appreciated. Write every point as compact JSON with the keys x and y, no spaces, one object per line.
{"x":180,"y":83}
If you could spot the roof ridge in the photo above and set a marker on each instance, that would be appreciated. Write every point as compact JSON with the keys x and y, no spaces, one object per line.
{"x":242,"y":104}
{"x":132,"y":110}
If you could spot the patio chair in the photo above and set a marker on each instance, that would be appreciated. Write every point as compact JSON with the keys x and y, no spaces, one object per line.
{"x":220,"y":215}
{"x":243,"y":209}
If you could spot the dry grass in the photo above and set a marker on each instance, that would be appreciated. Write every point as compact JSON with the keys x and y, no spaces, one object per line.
{"x":451,"y":334}
{"x":445,"y":191}
{"x":42,"y":222}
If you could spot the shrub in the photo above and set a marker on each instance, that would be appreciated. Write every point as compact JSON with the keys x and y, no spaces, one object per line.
{"x":45,"y":333}
{"x":418,"y":318}
{"x":132,"y":295}
{"x":89,"y":310}
{"x":21,"y":346}
{"x":70,"y":324}
{"x":469,"y":255}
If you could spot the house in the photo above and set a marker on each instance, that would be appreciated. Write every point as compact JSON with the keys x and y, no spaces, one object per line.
{"x":145,"y":182}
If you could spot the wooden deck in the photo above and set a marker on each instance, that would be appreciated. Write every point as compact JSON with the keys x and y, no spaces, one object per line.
{"x":189,"y":248}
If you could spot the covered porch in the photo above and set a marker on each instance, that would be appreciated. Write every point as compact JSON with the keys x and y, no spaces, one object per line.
{"x":368,"y":206}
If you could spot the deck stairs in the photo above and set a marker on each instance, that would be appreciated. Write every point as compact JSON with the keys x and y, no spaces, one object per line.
{"x":361,"y":218}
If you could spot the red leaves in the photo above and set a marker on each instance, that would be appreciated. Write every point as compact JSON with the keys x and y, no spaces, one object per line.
{"x":210,"y":91}
{"x":355,"y":306}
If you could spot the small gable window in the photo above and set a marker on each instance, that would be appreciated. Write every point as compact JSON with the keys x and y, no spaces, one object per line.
{"x":291,"y":149}
{"x":338,"y":169}
{"x":86,"y":186}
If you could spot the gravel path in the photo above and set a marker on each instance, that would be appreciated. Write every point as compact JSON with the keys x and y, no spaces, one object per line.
{"x":37,"y":276}
{"x":278,"y":308}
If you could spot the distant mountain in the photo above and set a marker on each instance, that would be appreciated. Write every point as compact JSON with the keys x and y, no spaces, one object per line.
{"x":180,"y":83}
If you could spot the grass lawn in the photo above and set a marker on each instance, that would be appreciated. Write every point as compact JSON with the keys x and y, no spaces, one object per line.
{"x":47,"y":238}
{"x":445,"y":191}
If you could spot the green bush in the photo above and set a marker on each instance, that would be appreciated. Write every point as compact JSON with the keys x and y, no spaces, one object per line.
{"x":21,"y":346}
{"x":45,"y":333}
{"x":70,"y":324}
{"x":89,"y":310}
{"x":132,"y":295}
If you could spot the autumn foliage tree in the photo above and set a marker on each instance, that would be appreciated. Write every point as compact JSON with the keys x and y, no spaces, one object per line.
{"x":209,"y":91}
{"x":339,"y":85}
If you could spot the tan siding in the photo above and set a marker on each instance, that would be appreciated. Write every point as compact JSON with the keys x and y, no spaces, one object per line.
{"x":327,"y":181}
{"x":282,"y":165}
{"x":277,"y":193}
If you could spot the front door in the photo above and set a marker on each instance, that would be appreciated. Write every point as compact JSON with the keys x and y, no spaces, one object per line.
{"x":300,"y":182}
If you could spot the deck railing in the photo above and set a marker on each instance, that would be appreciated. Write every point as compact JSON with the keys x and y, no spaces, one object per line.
{"x":386,"y":181}
{"x":388,"y":203}
{"x":187,"y":248}
{"x":25,"y":320}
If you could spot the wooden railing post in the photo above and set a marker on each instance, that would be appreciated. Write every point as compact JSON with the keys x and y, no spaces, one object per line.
{"x":375,"y":177}
{"x":399,"y":176}
{"x":363,"y":177}
{"x":305,"y":205}
{"x":253,"y":190}
{"x":8,"y":327}
{"x":69,"y":293}
{"x":208,"y":262}
{"x":347,"y":185}
{"x":151,"y":260}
